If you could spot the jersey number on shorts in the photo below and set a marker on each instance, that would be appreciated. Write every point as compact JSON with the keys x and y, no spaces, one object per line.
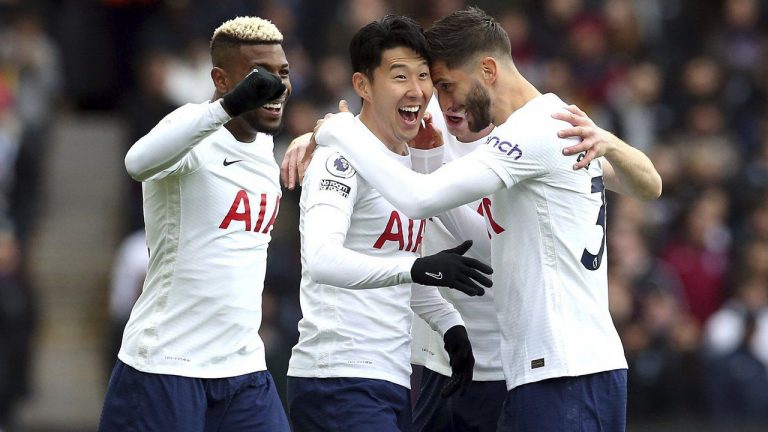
{"x":588,"y":260}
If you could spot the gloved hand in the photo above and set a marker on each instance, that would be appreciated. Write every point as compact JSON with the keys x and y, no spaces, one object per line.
{"x":256,"y":89}
{"x":462,"y":360}
{"x":450,"y":269}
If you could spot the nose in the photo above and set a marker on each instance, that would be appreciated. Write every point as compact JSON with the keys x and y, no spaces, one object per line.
{"x":414,"y":88}
{"x":445,"y":102}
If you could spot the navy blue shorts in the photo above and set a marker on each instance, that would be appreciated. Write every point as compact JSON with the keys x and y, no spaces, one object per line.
{"x":477,"y":410}
{"x":595,"y":402}
{"x":144,"y":402}
{"x":348,"y":405}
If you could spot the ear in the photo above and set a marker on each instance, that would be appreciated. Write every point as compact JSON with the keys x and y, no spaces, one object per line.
{"x":220,"y":80}
{"x":362,"y":85}
{"x":489,"y":69}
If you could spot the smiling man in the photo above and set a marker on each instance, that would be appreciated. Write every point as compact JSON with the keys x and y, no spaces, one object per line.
{"x":350,"y":370}
{"x":562,"y":359}
{"x":191,"y":357}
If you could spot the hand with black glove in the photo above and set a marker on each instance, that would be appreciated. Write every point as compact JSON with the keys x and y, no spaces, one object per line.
{"x":462,"y":360}
{"x":257,"y":88}
{"x":450,"y":268}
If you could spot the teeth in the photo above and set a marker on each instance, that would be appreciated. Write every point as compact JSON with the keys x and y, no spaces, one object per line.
{"x":273,"y":105}
{"x":411,"y":108}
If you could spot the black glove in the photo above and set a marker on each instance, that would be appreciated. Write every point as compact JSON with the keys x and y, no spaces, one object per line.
{"x":450,"y":269}
{"x":461,"y":359}
{"x":256,"y":89}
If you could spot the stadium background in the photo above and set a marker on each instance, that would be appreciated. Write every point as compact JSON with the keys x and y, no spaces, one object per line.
{"x":683,"y":80}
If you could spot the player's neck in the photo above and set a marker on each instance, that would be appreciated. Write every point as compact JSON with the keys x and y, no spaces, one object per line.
{"x":393,"y":144}
{"x":512,"y":93}
{"x":241,"y":130}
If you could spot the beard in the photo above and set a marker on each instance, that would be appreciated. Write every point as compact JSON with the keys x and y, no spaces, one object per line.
{"x":478,"y":106}
{"x":271,"y":130}
{"x":253,"y":120}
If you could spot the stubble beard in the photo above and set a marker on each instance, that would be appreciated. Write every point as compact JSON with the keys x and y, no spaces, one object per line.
{"x":478,"y":107}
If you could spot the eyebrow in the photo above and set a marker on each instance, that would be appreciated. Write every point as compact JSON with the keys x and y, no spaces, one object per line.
{"x":403,"y":65}
{"x":266,"y":65}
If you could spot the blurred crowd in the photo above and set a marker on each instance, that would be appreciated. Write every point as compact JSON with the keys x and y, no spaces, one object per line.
{"x":683,"y":80}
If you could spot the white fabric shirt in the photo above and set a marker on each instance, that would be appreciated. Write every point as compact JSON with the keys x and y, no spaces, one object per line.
{"x":356,"y":253}
{"x":478,"y":313}
{"x":549,"y":263}
{"x":724,"y":331}
{"x":209,"y":205}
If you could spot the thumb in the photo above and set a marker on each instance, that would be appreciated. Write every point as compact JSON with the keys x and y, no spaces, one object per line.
{"x":461,"y":249}
{"x":343,"y":107}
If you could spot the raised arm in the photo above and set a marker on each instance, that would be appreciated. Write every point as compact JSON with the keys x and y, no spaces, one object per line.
{"x":417,"y":195}
{"x":172,"y":138}
{"x":628,"y":171}
{"x":180,"y":131}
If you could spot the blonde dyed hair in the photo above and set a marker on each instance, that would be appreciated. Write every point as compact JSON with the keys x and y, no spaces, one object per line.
{"x":248,"y":30}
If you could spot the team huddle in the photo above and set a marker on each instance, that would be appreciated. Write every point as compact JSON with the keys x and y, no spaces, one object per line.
{"x":457,"y":222}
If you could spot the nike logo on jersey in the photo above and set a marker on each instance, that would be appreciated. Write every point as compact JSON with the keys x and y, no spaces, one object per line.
{"x":228,"y":163}
{"x":437,"y":276}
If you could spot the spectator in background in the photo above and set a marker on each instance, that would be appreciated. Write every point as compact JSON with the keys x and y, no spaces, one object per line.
{"x":17,"y":322}
{"x":333,"y":85}
{"x":752,"y":181}
{"x":736,"y":345}
{"x":595,"y":71}
{"x":640,"y":113}
{"x":31,"y":74}
{"x":143,"y":109}
{"x":189,"y":75}
{"x":699,"y":254}
{"x":550,"y":22}
{"x":516,"y":24}
{"x":622,"y":30}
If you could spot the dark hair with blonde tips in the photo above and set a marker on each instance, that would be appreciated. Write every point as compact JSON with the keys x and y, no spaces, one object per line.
{"x":242,"y":31}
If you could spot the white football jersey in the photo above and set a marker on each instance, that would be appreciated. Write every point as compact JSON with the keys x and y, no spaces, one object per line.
{"x":208,"y":222}
{"x":478,"y":313}
{"x":548,"y":253}
{"x":549,"y":260}
{"x":345,"y":332}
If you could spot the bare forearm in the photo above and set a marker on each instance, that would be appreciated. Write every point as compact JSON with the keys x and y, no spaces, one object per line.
{"x":632,"y":171}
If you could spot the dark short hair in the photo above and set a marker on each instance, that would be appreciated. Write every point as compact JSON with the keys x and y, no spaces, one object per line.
{"x":392,"y":31}
{"x":457,"y":38}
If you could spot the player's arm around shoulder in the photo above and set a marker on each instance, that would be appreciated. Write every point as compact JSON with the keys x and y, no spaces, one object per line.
{"x":299,"y":153}
{"x":626,"y":170}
